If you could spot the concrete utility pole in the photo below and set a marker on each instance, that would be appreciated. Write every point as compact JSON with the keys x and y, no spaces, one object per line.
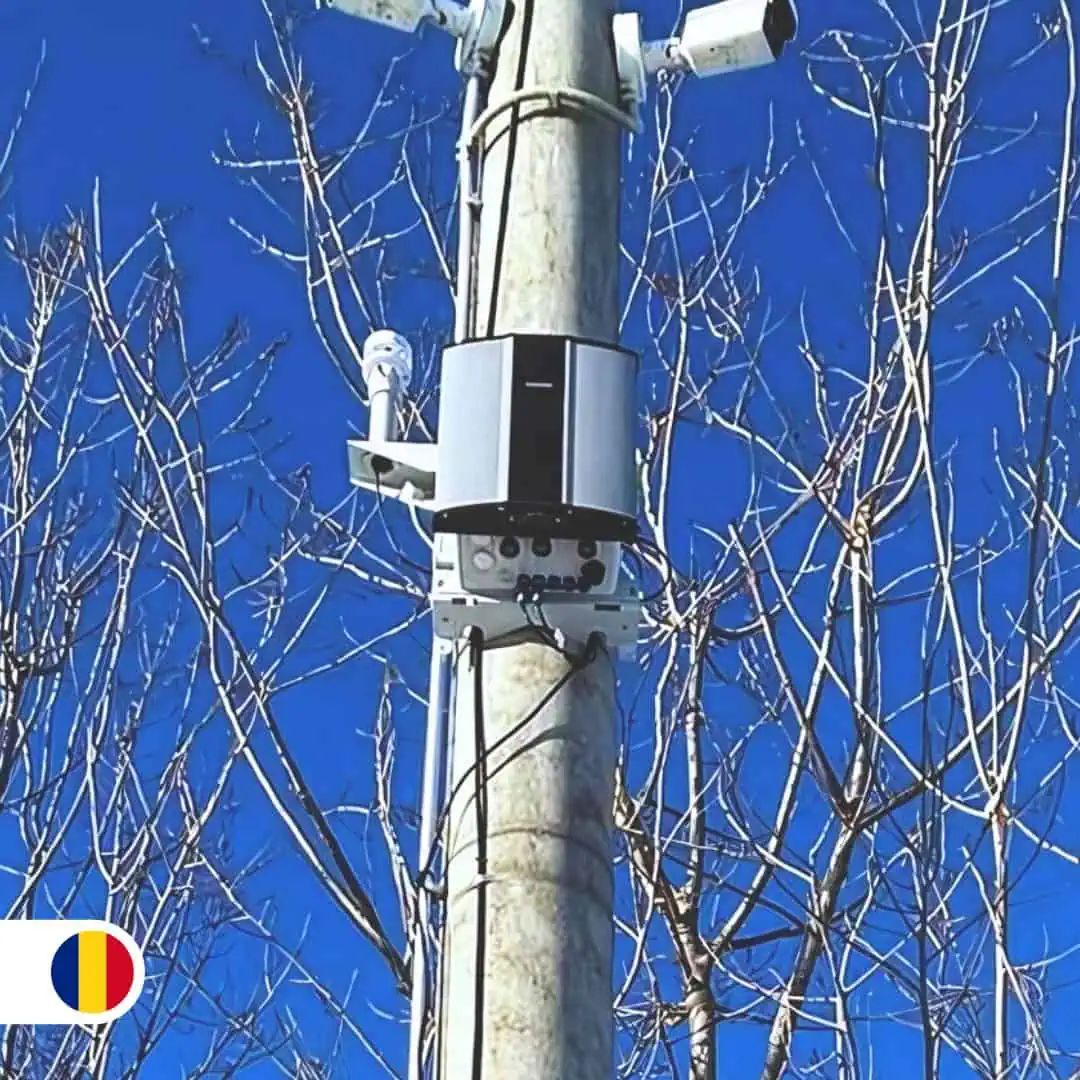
{"x":535,"y":435}
{"x":527,"y":962}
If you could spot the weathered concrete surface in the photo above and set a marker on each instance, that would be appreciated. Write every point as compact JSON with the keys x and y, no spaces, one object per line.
{"x":549,"y":227}
{"x":545,"y":910}
{"x":547,"y":260}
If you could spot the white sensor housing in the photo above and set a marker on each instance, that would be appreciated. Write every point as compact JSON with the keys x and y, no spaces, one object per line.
{"x":729,"y":36}
{"x":476,"y":27}
{"x":736,"y":34}
{"x":629,"y":61}
{"x":390,"y":350}
{"x":381,"y":463}
{"x":404,"y":15}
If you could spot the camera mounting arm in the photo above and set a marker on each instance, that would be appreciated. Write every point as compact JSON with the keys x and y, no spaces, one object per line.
{"x":380,"y":463}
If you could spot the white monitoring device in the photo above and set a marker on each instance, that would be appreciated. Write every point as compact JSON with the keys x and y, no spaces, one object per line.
{"x":736,"y":34}
{"x":405,"y":15}
{"x":729,"y":36}
{"x":476,"y":26}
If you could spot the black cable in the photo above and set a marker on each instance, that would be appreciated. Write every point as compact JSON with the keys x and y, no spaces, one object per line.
{"x":379,"y":497}
{"x":577,"y":663}
{"x":476,"y":652}
{"x":544,"y":631}
{"x":477,"y":771}
{"x":511,"y":151}
{"x":669,"y":571}
{"x":480,"y":787}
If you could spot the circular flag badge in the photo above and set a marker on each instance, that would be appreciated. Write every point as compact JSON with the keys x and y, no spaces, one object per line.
{"x":67,"y":971}
{"x":92,"y":971}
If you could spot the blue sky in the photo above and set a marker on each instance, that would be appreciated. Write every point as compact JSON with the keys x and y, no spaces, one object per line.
{"x":139,"y":97}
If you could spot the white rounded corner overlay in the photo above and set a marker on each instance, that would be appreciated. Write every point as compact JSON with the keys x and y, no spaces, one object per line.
{"x":27,"y":994}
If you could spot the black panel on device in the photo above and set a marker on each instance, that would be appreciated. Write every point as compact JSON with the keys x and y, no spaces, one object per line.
{"x":537,"y":419}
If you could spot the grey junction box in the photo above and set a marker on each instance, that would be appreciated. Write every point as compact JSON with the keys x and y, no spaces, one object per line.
{"x":536,"y":439}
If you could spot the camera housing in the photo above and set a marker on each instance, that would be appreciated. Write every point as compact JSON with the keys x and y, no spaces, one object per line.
{"x":728,"y":36}
{"x":736,"y":34}
{"x":380,"y":463}
{"x":404,"y":15}
{"x":475,"y":26}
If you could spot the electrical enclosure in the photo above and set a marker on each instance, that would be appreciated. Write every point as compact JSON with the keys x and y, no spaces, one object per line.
{"x":536,"y":439}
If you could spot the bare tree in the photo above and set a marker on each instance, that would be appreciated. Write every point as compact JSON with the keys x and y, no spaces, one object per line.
{"x":148,"y":626}
{"x":889,"y":611}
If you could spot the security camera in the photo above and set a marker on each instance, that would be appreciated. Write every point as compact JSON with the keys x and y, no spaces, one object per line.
{"x":736,"y":34}
{"x":722,"y":37}
{"x":405,"y":15}
{"x":476,"y":26}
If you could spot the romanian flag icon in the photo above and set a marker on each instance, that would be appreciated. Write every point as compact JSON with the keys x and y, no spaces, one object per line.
{"x":92,"y":971}
{"x":68,"y":971}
